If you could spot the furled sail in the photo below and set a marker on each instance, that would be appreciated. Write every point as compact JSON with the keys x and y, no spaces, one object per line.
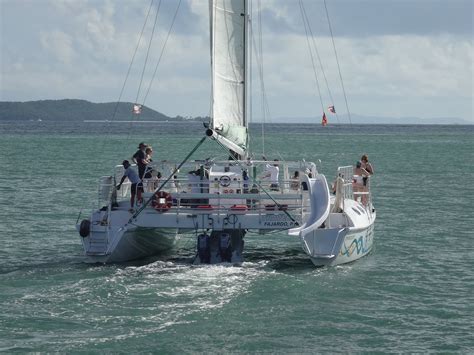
{"x":228,"y":57}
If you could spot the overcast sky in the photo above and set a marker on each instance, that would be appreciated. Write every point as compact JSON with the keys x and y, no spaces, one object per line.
{"x":398,"y":58}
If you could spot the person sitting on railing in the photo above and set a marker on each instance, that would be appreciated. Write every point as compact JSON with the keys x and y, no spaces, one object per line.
{"x":358,"y":181}
{"x":152,"y":180}
{"x":136,"y":188}
{"x":175,"y":185}
{"x":295,"y":181}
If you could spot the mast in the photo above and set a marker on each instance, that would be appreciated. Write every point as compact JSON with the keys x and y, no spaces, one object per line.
{"x":246,"y":62}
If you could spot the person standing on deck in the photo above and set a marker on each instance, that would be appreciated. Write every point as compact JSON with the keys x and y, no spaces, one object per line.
{"x":367,"y":167}
{"x":140,"y":159}
{"x":136,"y":188}
{"x":271,"y":173}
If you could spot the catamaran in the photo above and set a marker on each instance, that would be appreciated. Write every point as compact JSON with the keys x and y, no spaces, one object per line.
{"x":222,"y":202}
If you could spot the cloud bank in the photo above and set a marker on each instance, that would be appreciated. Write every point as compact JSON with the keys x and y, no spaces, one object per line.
{"x":397,"y":58}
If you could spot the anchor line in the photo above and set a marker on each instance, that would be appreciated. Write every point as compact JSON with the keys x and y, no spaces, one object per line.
{"x":258,"y":184}
{"x":137,"y":213}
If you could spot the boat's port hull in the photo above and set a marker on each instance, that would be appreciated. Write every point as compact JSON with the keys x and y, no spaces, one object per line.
{"x":134,"y":244}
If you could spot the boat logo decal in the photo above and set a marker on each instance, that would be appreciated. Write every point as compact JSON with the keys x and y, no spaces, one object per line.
{"x":358,"y":245}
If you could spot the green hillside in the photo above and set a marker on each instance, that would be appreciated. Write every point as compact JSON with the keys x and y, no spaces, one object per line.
{"x":74,"y":110}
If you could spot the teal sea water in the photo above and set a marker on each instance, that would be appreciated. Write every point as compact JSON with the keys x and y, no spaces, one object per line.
{"x":413,"y":293}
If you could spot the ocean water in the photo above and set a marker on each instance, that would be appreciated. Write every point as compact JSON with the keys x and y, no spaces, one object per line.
{"x":413,"y":293}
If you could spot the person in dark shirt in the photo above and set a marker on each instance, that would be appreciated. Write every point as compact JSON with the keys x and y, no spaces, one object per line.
{"x":140,"y":159}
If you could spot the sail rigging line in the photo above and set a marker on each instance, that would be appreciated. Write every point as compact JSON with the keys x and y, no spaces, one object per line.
{"x":117,"y":103}
{"x":148,"y":52}
{"x":162,"y":52}
{"x":337,"y":61}
{"x":132,"y":61}
{"x":265,"y":106}
{"x":157,"y":64}
{"x":176,"y":169}
{"x":132,"y":115}
{"x":305,"y":18}
{"x":311,"y":54}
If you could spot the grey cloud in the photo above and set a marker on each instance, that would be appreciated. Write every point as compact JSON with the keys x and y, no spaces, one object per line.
{"x":363,"y":18}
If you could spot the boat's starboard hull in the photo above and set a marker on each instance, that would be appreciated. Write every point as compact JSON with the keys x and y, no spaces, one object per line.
{"x":352,"y":246}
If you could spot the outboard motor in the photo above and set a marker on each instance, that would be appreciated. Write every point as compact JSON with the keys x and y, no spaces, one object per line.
{"x":204,"y":248}
{"x":225,"y":249}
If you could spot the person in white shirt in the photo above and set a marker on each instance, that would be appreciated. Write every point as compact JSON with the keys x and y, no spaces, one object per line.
{"x":271,"y":173}
{"x":136,"y":188}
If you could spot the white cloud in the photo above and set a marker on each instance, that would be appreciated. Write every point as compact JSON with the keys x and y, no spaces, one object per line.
{"x":400,"y":66}
{"x":59,"y":44}
{"x":90,"y":43}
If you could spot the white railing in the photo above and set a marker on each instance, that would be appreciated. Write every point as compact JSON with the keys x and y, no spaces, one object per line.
{"x":353,"y":188}
{"x":201,"y":194}
{"x":346,"y":173}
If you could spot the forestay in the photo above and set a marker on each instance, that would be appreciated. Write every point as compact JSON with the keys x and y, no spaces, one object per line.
{"x":228,"y":53}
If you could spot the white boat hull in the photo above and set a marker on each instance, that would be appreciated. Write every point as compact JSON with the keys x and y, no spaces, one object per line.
{"x":126,"y":245}
{"x":333,"y":229}
{"x":354,"y":245}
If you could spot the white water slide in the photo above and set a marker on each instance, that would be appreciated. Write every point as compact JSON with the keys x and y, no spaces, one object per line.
{"x":319,"y":201}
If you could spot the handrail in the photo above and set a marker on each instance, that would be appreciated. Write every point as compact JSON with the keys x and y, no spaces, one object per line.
{"x":221,"y":196}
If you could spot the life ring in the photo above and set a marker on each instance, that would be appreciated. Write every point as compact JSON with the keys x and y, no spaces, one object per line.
{"x":224,"y":180}
{"x":162,"y":201}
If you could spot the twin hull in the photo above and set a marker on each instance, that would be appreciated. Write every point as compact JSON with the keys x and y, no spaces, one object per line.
{"x":115,"y":236}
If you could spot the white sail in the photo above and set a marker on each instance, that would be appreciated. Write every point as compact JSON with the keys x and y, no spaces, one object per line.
{"x":228,"y":56}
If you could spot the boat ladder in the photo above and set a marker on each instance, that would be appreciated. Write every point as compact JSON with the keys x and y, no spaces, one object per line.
{"x":98,"y":244}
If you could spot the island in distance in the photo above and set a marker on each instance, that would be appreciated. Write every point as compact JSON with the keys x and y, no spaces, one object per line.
{"x":82,"y":110}
{"x":79,"y":110}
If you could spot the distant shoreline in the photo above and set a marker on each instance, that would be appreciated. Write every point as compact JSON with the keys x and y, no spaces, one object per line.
{"x":183,"y":122}
{"x":72,"y":110}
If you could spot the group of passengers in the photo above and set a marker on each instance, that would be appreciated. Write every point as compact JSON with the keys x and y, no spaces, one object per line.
{"x":361,"y":173}
{"x":142,"y":158}
{"x":363,"y":169}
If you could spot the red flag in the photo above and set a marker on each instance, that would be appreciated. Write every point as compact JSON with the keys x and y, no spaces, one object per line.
{"x":324,"y":121}
{"x":331,"y":109}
